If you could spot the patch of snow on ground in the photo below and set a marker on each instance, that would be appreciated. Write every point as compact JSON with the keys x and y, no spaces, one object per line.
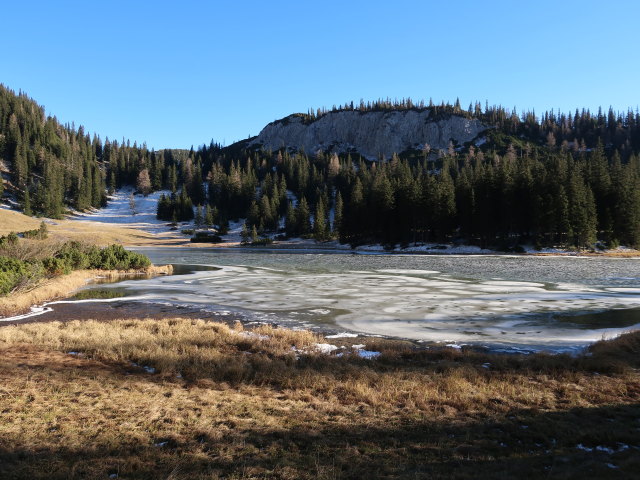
{"x":532,"y":249}
{"x":118,"y":211}
{"x":368,"y":354}
{"x":235,"y":231}
{"x":343,"y":335}
{"x":325,"y":348}
{"x":35,"y":311}
{"x":253,"y":335}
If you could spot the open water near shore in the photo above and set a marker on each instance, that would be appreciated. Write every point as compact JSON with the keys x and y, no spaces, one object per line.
{"x":514,"y":303}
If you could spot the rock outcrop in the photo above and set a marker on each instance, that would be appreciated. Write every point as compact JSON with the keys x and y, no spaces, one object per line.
{"x":371,"y":134}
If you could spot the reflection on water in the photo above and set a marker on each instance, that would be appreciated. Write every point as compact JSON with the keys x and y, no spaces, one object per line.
{"x":532,"y":302}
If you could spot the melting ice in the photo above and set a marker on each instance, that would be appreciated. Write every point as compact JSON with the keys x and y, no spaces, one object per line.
{"x":534,"y":302}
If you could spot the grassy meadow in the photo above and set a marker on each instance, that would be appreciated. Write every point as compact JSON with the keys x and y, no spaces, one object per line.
{"x":189,"y":399}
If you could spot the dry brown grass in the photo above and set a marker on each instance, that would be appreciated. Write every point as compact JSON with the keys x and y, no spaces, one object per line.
{"x":98,"y":233}
{"x":230,"y":403}
{"x":131,"y":235}
{"x":63,"y":286}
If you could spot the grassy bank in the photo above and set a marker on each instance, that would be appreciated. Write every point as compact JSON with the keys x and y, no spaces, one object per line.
{"x":187,"y":399}
{"x":35,"y":268}
{"x":100,"y":233}
{"x":62,"y":286}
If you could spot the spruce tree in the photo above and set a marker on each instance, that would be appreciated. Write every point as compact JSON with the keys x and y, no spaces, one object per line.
{"x":26,"y":203}
{"x":199,"y":218}
{"x":244,"y":234}
{"x":303,"y":217}
{"x":319,"y":223}
{"x":337,"y":216}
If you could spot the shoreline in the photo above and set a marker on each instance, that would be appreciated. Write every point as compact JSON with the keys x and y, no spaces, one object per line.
{"x":63,"y":286}
{"x":287,"y":247}
{"x":153,"y":235}
{"x":113,"y":310}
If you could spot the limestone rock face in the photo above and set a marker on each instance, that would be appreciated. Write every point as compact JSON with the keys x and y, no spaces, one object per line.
{"x":371,"y":134}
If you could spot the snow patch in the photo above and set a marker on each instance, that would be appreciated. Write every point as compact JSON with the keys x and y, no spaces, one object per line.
{"x":342,"y":335}
{"x":368,"y":354}
{"x":325,"y":348}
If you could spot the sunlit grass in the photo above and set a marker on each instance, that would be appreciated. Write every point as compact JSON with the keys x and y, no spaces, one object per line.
{"x":63,"y":286}
{"x":225,"y":402}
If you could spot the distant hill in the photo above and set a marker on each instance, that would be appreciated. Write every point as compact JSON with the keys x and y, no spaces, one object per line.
{"x":379,"y":129}
{"x":372,"y":134}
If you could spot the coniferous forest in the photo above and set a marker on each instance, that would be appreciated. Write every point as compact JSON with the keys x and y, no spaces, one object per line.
{"x":569,"y":180}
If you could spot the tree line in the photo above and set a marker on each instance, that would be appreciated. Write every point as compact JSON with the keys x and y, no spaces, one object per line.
{"x":51,"y":167}
{"x":557,"y":179}
{"x":541,"y":196}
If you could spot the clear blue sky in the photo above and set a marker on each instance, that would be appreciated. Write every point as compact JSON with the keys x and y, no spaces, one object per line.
{"x":180,"y":73}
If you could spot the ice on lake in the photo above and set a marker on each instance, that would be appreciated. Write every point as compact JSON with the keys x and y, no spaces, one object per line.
{"x":533,"y":302}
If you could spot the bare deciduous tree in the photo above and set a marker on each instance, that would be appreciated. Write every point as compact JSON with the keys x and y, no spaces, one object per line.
{"x":143,"y":183}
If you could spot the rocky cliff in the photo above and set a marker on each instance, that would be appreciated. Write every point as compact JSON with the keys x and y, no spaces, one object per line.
{"x":369,"y":133}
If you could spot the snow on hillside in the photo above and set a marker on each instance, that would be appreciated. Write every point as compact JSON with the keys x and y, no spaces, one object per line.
{"x":118,"y":211}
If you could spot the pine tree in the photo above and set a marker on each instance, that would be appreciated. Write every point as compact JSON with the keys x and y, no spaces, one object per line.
{"x":199,"y":218}
{"x":26,"y":203}
{"x":244,"y":234}
{"x":290,"y":224}
{"x":319,"y":223}
{"x":209,"y":219}
{"x":303,"y":217}
{"x":337,"y":216}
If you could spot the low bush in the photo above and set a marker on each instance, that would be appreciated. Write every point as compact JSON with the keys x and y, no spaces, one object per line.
{"x":56,"y":266}
{"x":10,"y":239}
{"x":14,"y":273}
{"x":115,"y":257}
{"x":206,"y":237}
{"x":262,"y":241}
{"x":70,"y":256}
{"x":41,"y":233}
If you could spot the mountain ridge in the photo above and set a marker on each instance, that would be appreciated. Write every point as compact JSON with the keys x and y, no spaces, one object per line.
{"x":372,"y":134}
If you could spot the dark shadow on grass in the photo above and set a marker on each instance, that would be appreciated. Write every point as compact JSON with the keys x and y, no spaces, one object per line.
{"x":521,"y":444}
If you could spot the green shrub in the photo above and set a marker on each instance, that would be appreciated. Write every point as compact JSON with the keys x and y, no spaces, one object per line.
{"x":10,"y":239}
{"x":262,"y":241}
{"x":70,"y":256}
{"x":56,"y":266}
{"x":14,"y":272}
{"x":73,"y":255}
{"x":11,"y":270}
{"x":40,"y":233}
{"x":206,"y":237}
{"x":115,"y":257}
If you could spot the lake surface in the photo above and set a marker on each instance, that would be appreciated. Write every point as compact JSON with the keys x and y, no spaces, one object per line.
{"x":505,"y":302}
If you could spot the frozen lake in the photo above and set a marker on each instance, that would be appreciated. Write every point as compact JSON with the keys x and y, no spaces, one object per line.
{"x":506,"y":302}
